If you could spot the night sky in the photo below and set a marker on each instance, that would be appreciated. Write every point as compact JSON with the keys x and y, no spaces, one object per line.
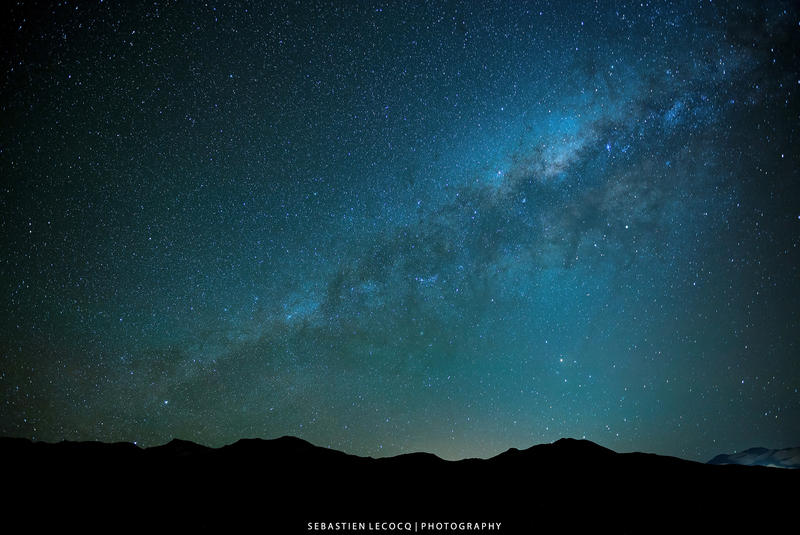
{"x":447,"y":227}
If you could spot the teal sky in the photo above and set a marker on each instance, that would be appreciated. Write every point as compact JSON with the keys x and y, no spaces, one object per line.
{"x":405,"y":226}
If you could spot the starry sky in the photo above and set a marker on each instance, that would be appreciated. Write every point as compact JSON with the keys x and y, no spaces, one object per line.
{"x":453,"y":227}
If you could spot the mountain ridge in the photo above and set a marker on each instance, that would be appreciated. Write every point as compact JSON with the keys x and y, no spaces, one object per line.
{"x":788,"y":458}
{"x":285,"y":443}
{"x":292,"y":482}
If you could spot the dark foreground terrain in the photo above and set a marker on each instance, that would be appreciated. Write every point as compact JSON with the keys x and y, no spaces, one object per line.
{"x":290,"y":486}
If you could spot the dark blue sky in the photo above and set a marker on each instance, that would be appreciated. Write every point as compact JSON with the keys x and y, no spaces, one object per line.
{"x":398,"y":227}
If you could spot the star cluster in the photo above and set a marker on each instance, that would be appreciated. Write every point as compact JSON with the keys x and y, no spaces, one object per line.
{"x":438,"y":226}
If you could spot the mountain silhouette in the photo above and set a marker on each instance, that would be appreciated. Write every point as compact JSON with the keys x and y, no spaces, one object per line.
{"x":288,"y":485}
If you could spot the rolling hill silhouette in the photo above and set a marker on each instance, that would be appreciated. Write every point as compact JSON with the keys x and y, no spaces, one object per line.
{"x":288,"y":485}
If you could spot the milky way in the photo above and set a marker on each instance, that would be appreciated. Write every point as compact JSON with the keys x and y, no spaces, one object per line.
{"x":402,"y":227}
